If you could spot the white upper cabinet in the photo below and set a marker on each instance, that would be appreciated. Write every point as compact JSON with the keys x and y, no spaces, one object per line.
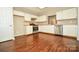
{"x":29,"y":16}
{"x":67,"y":14}
{"x":70,"y":13}
{"x":42,"y":18}
{"x":59,"y":15}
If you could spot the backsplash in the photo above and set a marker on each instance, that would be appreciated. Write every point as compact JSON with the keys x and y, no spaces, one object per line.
{"x":42,"y":23}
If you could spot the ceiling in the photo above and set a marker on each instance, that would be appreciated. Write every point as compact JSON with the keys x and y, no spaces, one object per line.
{"x":38,"y":11}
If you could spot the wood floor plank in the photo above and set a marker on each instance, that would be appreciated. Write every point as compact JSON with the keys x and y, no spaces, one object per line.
{"x":40,"y":42}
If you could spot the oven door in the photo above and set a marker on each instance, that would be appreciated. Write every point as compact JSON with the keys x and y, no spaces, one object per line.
{"x":35,"y":28}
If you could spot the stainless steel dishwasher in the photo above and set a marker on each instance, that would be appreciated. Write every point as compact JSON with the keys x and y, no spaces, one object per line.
{"x":59,"y":29}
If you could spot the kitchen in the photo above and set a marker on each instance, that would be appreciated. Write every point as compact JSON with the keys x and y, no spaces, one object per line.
{"x":61,"y":23}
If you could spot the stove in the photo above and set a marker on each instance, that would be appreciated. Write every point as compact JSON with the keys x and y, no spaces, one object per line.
{"x":35,"y":27}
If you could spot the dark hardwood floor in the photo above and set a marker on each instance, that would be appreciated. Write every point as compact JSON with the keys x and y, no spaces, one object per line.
{"x":40,"y":42}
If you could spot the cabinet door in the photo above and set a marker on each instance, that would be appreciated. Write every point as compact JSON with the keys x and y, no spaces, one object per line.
{"x":59,"y":15}
{"x":70,"y":13}
{"x":6,"y":24}
{"x":29,"y":30}
{"x":47,"y":29}
{"x":67,"y":14}
{"x":42,"y":18}
{"x":27,"y":17}
{"x":70,"y":30}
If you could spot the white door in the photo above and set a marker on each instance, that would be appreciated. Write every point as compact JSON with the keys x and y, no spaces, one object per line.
{"x":6,"y":24}
{"x":19,"y":28}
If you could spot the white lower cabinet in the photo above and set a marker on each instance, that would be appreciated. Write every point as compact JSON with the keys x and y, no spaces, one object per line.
{"x":29,"y":30}
{"x":46,"y":28}
{"x":70,"y":30}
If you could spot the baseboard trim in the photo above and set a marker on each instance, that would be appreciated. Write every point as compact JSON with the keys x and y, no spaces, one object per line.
{"x":27,"y":34}
{"x":31,"y":33}
{"x":60,"y":35}
{"x":50,"y":34}
{"x":6,"y":41}
{"x":19,"y":35}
